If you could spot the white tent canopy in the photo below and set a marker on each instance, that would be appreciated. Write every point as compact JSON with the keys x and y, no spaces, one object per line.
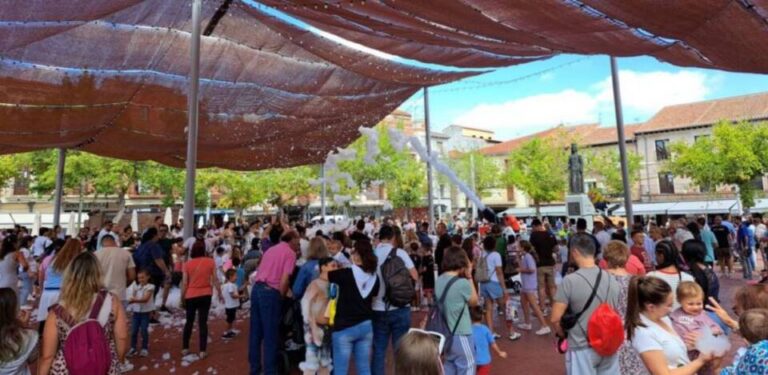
{"x":8,"y":220}
{"x":710,"y":207}
{"x":557,"y":210}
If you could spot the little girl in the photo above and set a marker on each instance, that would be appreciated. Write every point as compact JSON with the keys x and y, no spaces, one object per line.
{"x":416,"y":258}
{"x":529,"y":293}
{"x":690,"y":318}
{"x":318,"y":351}
{"x":427,"y":273}
{"x":753,"y":326}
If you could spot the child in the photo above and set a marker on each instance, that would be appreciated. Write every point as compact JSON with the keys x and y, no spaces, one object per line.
{"x":529,"y":292}
{"x":483,"y":342}
{"x":220,"y":259}
{"x":140,"y":301}
{"x":231,"y":302}
{"x":313,"y":306}
{"x":690,"y":318}
{"x":417,"y":353}
{"x":416,"y":258}
{"x":753,"y":325}
{"x":427,"y":273}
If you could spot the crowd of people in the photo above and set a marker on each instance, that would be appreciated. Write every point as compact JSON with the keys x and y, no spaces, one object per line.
{"x":354,"y":289}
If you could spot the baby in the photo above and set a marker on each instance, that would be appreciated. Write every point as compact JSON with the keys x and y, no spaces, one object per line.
{"x":690,"y":319}
{"x":753,"y":326}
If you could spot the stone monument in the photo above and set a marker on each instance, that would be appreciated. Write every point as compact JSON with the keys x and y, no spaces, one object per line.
{"x":577,"y":203}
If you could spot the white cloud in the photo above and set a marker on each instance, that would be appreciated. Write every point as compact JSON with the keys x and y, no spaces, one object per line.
{"x":532,"y":114}
{"x":643,"y":94}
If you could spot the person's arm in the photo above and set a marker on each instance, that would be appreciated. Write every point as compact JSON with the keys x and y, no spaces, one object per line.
{"x":285,"y":282}
{"x":500,"y":276}
{"x":49,"y":346}
{"x":184,"y":285}
{"x":130,"y":275}
{"x":121,"y":328}
{"x":558,"y":310}
{"x":145,"y":296}
{"x":722,"y":314}
{"x":473,"y":299}
{"x":656,"y":364}
{"x":215,"y":282}
{"x":22,"y":261}
{"x":498,"y":351}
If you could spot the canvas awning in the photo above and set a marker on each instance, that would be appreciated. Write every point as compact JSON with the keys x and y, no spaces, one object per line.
{"x":556,"y":210}
{"x":109,"y":77}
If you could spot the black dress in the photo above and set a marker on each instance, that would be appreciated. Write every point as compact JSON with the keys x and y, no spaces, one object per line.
{"x":428,"y":275}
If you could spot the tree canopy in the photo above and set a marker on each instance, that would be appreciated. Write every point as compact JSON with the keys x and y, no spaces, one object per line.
{"x":605,"y":166}
{"x":539,"y":168}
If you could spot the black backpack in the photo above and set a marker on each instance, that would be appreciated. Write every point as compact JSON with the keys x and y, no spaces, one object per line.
{"x":399,"y":288}
{"x":437,"y":320}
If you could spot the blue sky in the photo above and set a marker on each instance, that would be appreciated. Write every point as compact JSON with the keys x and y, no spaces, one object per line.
{"x":576,"y":93}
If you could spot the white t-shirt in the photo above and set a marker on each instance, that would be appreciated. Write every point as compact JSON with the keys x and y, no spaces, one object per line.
{"x":382,"y":251}
{"x":229,"y":301}
{"x":653,"y":337}
{"x":493,"y":260}
{"x":603,"y":237}
{"x":342,"y":260}
{"x":38,"y":247}
{"x":137,"y":291}
{"x":673,"y":280}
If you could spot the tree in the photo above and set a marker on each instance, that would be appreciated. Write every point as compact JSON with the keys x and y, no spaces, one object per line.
{"x":486,"y":172}
{"x":605,"y":165}
{"x":408,"y":187}
{"x":539,"y":168}
{"x":735,"y":154}
{"x":9,"y":169}
{"x":168,"y":181}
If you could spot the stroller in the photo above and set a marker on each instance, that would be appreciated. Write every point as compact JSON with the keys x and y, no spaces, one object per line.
{"x":292,"y":351}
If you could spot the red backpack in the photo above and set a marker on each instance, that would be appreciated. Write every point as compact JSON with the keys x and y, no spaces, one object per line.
{"x":605,"y":328}
{"x":86,"y":345}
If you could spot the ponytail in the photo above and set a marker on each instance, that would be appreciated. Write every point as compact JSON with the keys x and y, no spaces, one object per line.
{"x":642,"y":291}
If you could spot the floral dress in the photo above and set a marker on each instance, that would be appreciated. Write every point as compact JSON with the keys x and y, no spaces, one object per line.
{"x":754,"y":361}
{"x":629,"y":359}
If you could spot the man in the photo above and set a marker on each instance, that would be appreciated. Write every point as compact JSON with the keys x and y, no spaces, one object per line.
{"x":303,"y":245}
{"x":423,"y":235}
{"x":682,"y":234}
{"x":271,"y":285}
{"x":602,"y":235}
{"x":545,"y":244}
{"x":443,"y":242}
{"x":745,"y":240}
{"x":573,"y":295}
{"x":42,"y":241}
{"x":105,"y":229}
{"x":149,"y":256}
{"x":117,"y":266}
{"x":723,"y":236}
{"x":336,"y":250}
{"x":389,"y":322}
{"x":166,"y":243}
{"x":709,"y":240}
{"x":359,"y":233}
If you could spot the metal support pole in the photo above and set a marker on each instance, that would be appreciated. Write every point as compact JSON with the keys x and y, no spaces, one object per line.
{"x":322,"y":194}
{"x":59,"y":186}
{"x":192,"y":101}
{"x":622,"y":143}
{"x":472,"y":183}
{"x":80,"y":206}
{"x":428,"y":140}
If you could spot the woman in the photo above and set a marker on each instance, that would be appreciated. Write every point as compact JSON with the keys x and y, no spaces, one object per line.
{"x":313,"y":305}
{"x":694,"y":252}
{"x":52,"y":275}
{"x":669,"y":268}
{"x":197,"y":285}
{"x":649,"y":329}
{"x":352,"y":327}
{"x":747,"y":297}
{"x":10,"y":260}
{"x":18,"y":346}
{"x":81,"y":290}
{"x":616,"y":255}
{"x":468,"y":245}
{"x":127,"y":237}
{"x":398,"y":243}
{"x":460,"y":356}
{"x":26,"y":273}
{"x":309,"y":271}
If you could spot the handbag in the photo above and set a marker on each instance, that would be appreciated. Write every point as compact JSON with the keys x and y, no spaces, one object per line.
{"x":333,"y":298}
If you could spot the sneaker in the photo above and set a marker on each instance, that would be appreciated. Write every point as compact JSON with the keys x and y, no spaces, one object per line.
{"x":515,"y":336}
{"x":228,"y":335}
{"x":184,"y":352}
{"x":496,"y":336}
{"x":544,"y":331}
{"x":235,"y":331}
{"x":524,"y":327}
{"x":203,"y":355}
{"x":126,"y":366}
{"x":131,"y":353}
{"x":144,"y":353}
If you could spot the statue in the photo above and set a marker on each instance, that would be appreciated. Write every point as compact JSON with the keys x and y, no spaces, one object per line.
{"x":576,"y":173}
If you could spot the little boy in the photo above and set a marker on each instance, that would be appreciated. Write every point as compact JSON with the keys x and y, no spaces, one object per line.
{"x":140,"y":301}
{"x":231,"y":302}
{"x":753,"y":326}
{"x":483,"y":342}
{"x":690,"y":317}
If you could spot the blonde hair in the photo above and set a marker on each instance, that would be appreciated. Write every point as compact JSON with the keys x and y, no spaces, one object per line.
{"x":689,"y":289}
{"x":417,"y":354}
{"x":317,"y":248}
{"x":81,"y":282}
{"x":753,"y":325}
{"x":66,"y":254}
{"x":616,"y":254}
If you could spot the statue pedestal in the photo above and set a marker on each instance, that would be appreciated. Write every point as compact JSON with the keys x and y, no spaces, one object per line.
{"x":580,"y":206}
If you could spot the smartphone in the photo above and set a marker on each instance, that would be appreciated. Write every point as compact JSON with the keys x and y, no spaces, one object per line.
{"x":438,"y":338}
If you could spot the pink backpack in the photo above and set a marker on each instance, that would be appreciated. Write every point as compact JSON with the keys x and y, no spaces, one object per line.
{"x":86,"y":345}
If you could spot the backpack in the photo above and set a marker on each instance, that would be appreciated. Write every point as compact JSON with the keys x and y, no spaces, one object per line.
{"x":399,"y":288}
{"x":437,"y":321}
{"x":86,"y":346}
{"x":605,"y":330}
{"x":481,"y":270}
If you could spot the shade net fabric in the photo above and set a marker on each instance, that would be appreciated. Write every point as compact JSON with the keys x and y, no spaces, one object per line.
{"x":111,"y":77}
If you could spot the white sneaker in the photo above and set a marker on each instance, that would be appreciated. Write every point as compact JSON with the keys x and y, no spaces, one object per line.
{"x":515,"y":336}
{"x":143,"y":353}
{"x":544,"y":331}
{"x":126,"y":366}
{"x":525,"y":327}
{"x":131,"y":352}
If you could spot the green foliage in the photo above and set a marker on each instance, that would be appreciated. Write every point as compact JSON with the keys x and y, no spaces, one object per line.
{"x":9,"y":169}
{"x":539,"y":168}
{"x":165,"y":180}
{"x":409,"y":186}
{"x":605,"y":165}
{"x":486,"y":172}
{"x":735,"y":154}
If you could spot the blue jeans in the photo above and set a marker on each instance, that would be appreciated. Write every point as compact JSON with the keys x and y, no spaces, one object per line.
{"x":389,"y":325}
{"x":746,"y":264}
{"x":140,"y":323}
{"x":356,"y":339}
{"x":266,"y":312}
{"x":26,"y":288}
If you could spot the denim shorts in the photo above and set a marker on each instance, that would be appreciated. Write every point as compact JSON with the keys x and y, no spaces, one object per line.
{"x":491,"y":289}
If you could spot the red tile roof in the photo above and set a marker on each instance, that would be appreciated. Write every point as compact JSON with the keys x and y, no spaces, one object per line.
{"x":681,"y":116}
{"x":503,"y":148}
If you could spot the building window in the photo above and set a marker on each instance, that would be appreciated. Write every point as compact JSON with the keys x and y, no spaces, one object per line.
{"x":757,"y":183}
{"x":666,"y":183}
{"x":442,"y":191}
{"x":661,"y":149}
{"x":510,"y":193}
{"x":696,"y":138}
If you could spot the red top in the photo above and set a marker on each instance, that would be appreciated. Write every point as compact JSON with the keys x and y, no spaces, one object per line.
{"x":199,"y":272}
{"x":634,"y":266}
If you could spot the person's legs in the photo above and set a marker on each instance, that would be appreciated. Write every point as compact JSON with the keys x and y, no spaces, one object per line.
{"x":135,"y":326}
{"x":400,"y":323}
{"x":489,"y":313}
{"x":256,"y":335}
{"x":144,"y":328}
{"x":26,"y":288}
{"x":541,"y":282}
{"x":381,"y":334}
{"x":524,"y":301}
{"x":271,"y":311}
{"x":203,"y":307}
{"x":581,"y":362}
{"x":362,"y":347}
{"x":608,"y":365}
{"x":531,"y":297}
{"x":342,"y":350}
{"x":465,"y":359}
{"x":191,"y":306}
{"x":549,"y":279}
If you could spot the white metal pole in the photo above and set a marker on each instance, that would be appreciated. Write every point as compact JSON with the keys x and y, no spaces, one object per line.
{"x":322,"y":194}
{"x":428,"y":140}
{"x":622,"y":144}
{"x":474,"y":188}
{"x":192,"y":101}
{"x":57,"y":194}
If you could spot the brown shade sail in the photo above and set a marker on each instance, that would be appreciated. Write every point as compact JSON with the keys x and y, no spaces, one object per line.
{"x":110,"y":77}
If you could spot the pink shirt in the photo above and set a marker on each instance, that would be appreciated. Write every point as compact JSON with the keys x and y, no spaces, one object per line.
{"x":277,"y":261}
{"x":634,"y":266}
